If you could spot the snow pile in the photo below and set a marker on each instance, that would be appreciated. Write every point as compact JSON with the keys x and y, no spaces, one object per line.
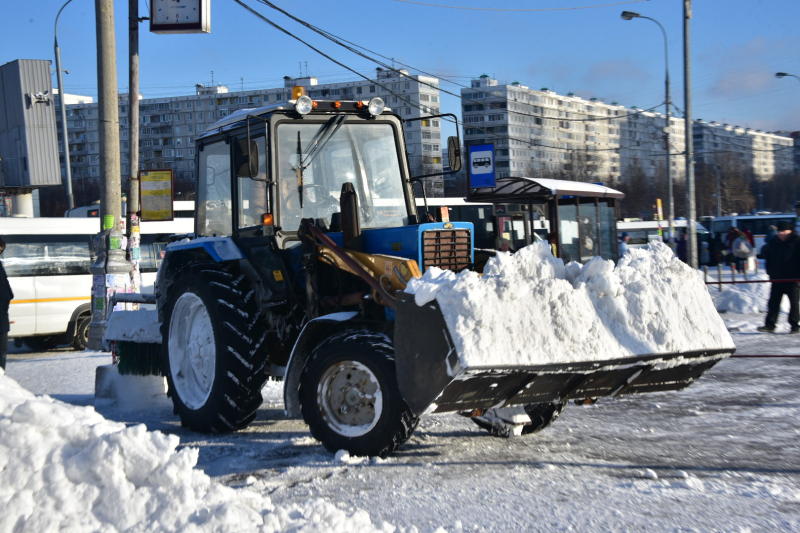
{"x":529,"y":308}
{"x":136,"y":326}
{"x":746,"y":298}
{"x":66,"y":468}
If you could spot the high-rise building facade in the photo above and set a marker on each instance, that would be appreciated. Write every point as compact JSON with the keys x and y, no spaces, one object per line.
{"x":759,"y":153}
{"x":541,"y":133}
{"x":169,"y":125}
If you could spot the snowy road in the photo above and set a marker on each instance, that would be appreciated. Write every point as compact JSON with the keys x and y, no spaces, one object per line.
{"x":723,"y":455}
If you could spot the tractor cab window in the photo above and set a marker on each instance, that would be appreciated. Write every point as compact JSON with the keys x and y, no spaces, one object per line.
{"x":214,"y":190}
{"x":316,"y":158}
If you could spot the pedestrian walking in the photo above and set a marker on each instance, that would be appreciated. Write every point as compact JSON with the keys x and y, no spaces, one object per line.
{"x":681,"y":246}
{"x":742,"y":249}
{"x":6,"y":295}
{"x":623,"y":243}
{"x":782,"y":256}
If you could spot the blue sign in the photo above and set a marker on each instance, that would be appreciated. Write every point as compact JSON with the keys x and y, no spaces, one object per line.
{"x":481,"y":166}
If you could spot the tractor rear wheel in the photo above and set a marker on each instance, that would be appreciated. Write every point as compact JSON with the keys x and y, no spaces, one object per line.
{"x":349,"y":395}
{"x":212,"y":349}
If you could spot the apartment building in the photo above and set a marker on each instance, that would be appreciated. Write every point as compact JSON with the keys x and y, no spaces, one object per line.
{"x":169,"y":125}
{"x":756,"y":152}
{"x":545,"y":134}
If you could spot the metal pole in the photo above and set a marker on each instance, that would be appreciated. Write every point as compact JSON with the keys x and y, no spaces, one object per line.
{"x":64,"y":136}
{"x":691,"y":223}
{"x":134,"y":249}
{"x":667,"y":103}
{"x":630,"y":15}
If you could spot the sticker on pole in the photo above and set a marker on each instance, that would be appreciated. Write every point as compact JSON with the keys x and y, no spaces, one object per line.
{"x":481,"y":166}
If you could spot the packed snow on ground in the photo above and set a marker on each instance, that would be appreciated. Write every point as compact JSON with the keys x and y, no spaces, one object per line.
{"x":722,"y":455}
{"x":649,"y":303}
{"x":744,"y":298}
{"x":64,"y":467}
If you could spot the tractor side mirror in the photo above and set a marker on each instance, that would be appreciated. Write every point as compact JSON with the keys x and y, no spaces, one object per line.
{"x":247,"y":159}
{"x":454,"y":153}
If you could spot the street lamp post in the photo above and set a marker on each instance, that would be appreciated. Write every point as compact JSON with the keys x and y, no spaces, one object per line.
{"x":64,"y":137}
{"x":629,"y":15}
{"x":786,"y":74}
{"x":691,"y":199}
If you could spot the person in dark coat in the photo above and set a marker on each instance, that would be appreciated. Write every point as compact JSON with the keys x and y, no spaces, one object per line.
{"x":681,"y":247}
{"x":782,"y":255}
{"x":6,"y":295}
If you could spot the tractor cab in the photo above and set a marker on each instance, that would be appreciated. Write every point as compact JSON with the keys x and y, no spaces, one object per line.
{"x":267,"y":169}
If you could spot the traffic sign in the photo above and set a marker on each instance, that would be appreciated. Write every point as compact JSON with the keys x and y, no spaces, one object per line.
{"x":481,"y":166}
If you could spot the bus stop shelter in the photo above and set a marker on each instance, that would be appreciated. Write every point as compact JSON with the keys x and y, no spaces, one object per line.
{"x":581,"y":216}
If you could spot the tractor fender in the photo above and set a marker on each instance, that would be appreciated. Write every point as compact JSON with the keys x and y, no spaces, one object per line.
{"x":182,"y":254}
{"x":314,"y":332}
{"x":218,"y":248}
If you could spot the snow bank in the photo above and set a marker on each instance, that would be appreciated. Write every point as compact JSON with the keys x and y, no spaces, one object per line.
{"x":66,"y":468}
{"x":529,"y":308}
{"x":746,"y":298}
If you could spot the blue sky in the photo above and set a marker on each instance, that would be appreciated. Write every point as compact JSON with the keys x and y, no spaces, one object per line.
{"x":737,"y":46}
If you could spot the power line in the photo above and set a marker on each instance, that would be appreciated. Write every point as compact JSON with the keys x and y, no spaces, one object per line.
{"x":521,"y":10}
{"x":404,"y":99}
{"x":323,"y":54}
{"x":341,"y":42}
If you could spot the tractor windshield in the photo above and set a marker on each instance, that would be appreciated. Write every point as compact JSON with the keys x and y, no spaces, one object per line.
{"x":312,"y":167}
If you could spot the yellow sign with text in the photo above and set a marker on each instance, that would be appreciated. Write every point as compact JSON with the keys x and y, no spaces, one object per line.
{"x":155,"y":195}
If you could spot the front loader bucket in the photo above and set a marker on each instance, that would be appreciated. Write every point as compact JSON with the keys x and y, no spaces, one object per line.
{"x":432,"y":379}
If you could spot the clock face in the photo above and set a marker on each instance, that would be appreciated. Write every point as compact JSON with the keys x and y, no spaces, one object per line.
{"x":176,"y":11}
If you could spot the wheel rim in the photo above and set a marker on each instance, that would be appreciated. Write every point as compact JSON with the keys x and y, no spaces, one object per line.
{"x":350,"y":399}
{"x":192,"y":351}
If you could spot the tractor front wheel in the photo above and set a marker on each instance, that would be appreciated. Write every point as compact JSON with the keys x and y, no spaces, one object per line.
{"x":349,"y":395}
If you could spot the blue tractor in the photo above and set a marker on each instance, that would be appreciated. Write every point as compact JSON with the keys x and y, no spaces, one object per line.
{"x":305,"y":236}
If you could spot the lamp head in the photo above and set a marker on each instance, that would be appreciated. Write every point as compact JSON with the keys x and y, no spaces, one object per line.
{"x":781,"y":74}
{"x":628,"y":15}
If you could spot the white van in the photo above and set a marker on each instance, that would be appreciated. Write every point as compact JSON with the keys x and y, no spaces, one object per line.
{"x":48,"y":262}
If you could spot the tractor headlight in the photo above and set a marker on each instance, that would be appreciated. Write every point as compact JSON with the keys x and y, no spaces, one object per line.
{"x":376,"y":106}
{"x":303,"y":105}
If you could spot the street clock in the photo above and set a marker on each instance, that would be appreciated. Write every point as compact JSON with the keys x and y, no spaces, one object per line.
{"x":180,"y":16}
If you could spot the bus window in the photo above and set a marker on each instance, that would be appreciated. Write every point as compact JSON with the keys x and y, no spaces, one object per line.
{"x":23,"y":258}
{"x":721,"y":227}
{"x":52,"y":255}
{"x":67,"y":258}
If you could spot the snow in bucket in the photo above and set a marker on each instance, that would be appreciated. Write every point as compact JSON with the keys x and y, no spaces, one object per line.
{"x":529,"y":308}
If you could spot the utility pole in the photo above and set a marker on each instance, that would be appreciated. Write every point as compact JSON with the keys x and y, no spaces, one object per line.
{"x":134,"y":235}
{"x":110,"y":270}
{"x":691,"y":225}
